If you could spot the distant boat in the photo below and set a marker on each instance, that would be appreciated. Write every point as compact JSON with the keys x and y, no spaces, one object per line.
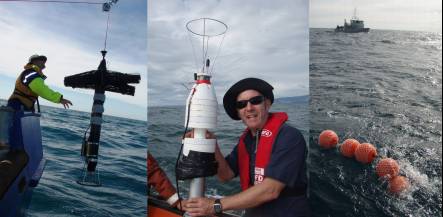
{"x":355,"y":26}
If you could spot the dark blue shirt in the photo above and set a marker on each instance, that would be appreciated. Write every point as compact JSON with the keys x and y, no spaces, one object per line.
{"x":287,"y":165}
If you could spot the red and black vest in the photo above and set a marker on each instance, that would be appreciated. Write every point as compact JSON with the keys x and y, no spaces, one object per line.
{"x":268,"y":135}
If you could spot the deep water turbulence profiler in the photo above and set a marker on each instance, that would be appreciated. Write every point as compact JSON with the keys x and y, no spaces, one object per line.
{"x":197,"y":159}
{"x":99,"y":80}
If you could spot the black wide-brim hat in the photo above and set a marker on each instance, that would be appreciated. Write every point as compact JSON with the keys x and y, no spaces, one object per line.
{"x":230,"y":98}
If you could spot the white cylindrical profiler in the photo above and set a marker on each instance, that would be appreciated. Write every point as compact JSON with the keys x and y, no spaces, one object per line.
{"x":197,"y":185}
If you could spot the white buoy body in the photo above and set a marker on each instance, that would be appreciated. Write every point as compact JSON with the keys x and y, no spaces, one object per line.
{"x":202,"y":103}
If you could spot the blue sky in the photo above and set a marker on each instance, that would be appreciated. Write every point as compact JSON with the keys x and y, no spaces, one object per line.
{"x":71,"y":36}
{"x":415,"y":15}
{"x":265,"y":39}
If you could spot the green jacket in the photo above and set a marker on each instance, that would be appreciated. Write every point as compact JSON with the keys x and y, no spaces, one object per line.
{"x":39,"y":87}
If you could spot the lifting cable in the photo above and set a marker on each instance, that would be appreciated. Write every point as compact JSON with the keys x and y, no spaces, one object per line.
{"x":56,"y":1}
{"x":107,"y":29}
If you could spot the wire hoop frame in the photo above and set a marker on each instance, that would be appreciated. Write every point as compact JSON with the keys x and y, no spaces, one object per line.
{"x":204,"y":20}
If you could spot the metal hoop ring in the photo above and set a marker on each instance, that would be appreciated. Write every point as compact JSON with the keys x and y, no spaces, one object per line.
{"x":217,"y":21}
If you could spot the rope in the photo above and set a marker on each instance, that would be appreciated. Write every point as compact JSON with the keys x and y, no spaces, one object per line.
{"x":56,"y":1}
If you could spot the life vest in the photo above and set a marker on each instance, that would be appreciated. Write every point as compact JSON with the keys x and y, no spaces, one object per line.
{"x":264,"y":148}
{"x":159,"y":180}
{"x":22,"y":92}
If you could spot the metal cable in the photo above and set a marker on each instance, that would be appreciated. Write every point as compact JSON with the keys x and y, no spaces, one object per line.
{"x":107,"y":29}
{"x":206,"y":53}
{"x":193,"y":51}
{"x":204,"y":33}
{"x":56,"y":1}
{"x":218,"y":52}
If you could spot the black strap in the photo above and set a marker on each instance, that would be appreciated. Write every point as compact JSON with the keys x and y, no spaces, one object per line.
{"x":38,"y":106}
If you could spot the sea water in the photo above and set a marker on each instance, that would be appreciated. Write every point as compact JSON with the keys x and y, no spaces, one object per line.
{"x":121,"y":162}
{"x":385,"y":88}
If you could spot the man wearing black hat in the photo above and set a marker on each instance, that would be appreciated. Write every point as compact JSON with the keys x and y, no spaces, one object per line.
{"x":30,"y":85}
{"x":269,"y":158}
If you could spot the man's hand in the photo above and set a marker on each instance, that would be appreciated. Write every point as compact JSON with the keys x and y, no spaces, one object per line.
{"x":201,"y":206}
{"x":181,"y":204}
{"x":65,"y":103}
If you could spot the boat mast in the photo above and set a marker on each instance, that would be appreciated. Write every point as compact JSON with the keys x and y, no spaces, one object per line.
{"x":355,"y":14}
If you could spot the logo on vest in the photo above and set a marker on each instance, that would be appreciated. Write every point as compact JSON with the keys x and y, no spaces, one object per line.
{"x":266,"y":133}
{"x":259,"y":175}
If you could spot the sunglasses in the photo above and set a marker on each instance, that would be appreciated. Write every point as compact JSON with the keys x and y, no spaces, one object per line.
{"x":254,"y":101}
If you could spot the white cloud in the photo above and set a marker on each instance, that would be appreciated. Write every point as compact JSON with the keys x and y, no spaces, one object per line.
{"x":71,"y":36}
{"x":265,"y":39}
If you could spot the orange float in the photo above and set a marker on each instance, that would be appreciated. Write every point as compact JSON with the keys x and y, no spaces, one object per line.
{"x":348,"y":147}
{"x":328,"y":139}
{"x":365,"y":153}
{"x":398,"y":184}
{"x":387,"y":168}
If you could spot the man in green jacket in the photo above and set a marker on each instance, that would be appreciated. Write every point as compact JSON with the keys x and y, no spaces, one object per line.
{"x":30,"y":85}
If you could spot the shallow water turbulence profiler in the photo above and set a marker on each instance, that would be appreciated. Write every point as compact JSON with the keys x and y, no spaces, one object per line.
{"x":100,"y":80}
